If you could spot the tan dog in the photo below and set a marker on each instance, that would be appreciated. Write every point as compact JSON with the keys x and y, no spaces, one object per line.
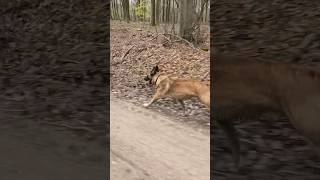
{"x":247,"y":88}
{"x":178,"y":89}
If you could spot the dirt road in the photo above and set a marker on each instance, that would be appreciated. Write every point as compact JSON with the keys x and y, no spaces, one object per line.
{"x":33,"y":151}
{"x":147,"y":145}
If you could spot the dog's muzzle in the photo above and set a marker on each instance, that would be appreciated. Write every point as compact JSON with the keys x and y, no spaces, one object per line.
{"x":147,"y":78}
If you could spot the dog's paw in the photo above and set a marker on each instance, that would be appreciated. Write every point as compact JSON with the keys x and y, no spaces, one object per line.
{"x":145,"y":104}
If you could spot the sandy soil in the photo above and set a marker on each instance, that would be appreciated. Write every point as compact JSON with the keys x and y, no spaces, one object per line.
{"x":150,"y":146}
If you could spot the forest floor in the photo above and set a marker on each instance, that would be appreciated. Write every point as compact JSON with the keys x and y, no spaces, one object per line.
{"x":144,"y":49}
{"x":269,"y":149}
{"x":53,"y":90}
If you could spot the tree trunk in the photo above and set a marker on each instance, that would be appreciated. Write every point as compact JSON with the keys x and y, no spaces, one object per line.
{"x":186,"y":19}
{"x":203,"y":7}
{"x":126,"y":10}
{"x":176,"y":13}
{"x":115,"y":5}
{"x":153,"y":13}
{"x":157,"y":11}
{"x":168,"y":11}
{"x":163,"y":10}
{"x":173,"y":14}
{"x":144,"y":11}
{"x":117,"y":9}
{"x":206,"y":13}
{"x":112,"y":9}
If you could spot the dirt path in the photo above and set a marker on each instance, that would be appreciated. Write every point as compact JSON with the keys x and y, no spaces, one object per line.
{"x":146,"y":145}
{"x":32,"y":151}
{"x":25,"y":161}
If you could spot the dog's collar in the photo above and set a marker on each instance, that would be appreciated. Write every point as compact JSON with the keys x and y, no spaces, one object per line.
{"x":155,"y":82}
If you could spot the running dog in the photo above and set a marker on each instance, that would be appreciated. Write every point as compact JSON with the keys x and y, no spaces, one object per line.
{"x":176,"y":88}
{"x":246,"y":87}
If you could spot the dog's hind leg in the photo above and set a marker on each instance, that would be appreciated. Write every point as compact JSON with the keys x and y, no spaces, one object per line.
{"x":228,"y":128}
{"x":182,"y":105}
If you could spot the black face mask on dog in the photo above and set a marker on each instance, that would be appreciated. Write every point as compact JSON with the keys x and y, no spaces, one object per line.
{"x":152,"y":73}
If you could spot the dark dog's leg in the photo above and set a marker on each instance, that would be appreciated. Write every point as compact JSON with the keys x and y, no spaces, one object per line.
{"x":228,"y":128}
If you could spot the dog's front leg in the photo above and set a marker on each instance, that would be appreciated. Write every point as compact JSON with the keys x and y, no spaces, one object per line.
{"x":154,"y":99}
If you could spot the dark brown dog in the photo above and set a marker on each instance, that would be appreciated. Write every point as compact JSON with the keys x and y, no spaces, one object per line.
{"x":247,"y":88}
{"x":176,"y":88}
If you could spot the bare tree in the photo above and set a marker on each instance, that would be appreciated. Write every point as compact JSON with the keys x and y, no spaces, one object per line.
{"x":163,"y":10}
{"x":168,"y":4}
{"x":157,"y":11}
{"x":126,"y":10}
{"x":186,"y":19}
{"x":113,"y":9}
{"x":206,"y":13}
{"x":153,"y":12}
